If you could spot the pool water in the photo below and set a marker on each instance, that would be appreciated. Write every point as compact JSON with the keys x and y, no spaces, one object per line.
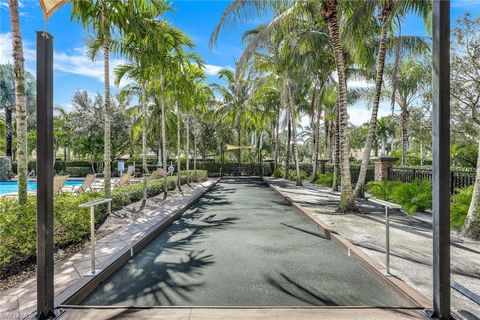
{"x":12,"y":186}
{"x":242,"y":245}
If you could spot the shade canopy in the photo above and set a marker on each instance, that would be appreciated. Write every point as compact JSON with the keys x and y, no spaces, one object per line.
{"x":49,"y":6}
{"x":233,"y":147}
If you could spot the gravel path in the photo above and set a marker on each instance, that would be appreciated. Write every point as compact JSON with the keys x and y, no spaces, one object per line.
{"x":411,"y":242}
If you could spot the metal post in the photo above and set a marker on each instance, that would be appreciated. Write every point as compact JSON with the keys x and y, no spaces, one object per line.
{"x":441,"y":159}
{"x":387,"y":239}
{"x":91,"y":205}
{"x":92,"y":237}
{"x":45,"y":289}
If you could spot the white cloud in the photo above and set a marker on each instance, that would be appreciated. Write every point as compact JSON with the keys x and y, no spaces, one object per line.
{"x":79,"y":63}
{"x":359,"y":113}
{"x":355,"y":82}
{"x":76,"y":62}
{"x":212,"y":70}
{"x":6,"y":47}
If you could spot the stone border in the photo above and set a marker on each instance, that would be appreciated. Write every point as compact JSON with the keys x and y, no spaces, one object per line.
{"x":85,"y":285}
{"x":402,"y":289}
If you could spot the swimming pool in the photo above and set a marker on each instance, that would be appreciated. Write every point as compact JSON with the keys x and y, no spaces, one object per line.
{"x":242,"y":245}
{"x":12,"y":186}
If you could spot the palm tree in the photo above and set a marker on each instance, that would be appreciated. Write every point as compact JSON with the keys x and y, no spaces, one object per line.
{"x":105,"y":18}
{"x":234,"y":104}
{"x":20,"y":102}
{"x":108,"y":19}
{"x":7,"y":99}
{"x":389,"y":11}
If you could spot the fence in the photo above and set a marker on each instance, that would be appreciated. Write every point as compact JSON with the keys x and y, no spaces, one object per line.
{"x":458,"y":178}
{"x":355,"y":172}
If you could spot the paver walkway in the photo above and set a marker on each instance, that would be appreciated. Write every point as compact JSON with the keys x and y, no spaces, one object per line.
{"x":411,"y":241}
{"x":20,"y":301}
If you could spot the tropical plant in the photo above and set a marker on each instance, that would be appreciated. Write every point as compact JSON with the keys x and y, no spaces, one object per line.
{"x":20,"y":102}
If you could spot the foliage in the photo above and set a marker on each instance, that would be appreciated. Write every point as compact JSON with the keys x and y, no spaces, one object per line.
{"x":78,"y":171}
{"x":414,"y":196}
{"x":279,"y":172}
{"x":459,"y":206}
{"x":71,"y":224}
{"x":324,"y":179}
{"x":464,"y":155}
{"x":382,"y":190}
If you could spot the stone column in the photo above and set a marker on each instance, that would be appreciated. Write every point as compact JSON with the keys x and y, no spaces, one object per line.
{"x":382,"y":165}
{"x":321,"y":165}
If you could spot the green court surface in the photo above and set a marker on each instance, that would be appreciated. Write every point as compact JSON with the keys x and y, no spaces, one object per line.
{"x":242,"y":244}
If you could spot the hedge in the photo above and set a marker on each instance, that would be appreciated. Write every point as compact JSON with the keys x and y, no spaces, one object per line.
{"x":78,"y":171}
{"x":17,"y":223}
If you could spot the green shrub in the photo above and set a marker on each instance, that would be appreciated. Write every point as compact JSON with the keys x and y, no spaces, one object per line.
{"x":279,"y":172}
{"x":71,"y":223}
{"x":382,"y":190}
{"x":78,"y":171}
{"x":459,"y":206}
{"x":413,"y":196}
{"x":324,"y":179}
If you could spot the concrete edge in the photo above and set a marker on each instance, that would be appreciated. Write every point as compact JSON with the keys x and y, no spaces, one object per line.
{"x":401,"y":288}
{"x":85,"y":285}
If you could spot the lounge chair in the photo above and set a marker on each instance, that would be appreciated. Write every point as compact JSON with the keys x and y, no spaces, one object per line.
{"x":124,"y":180}
{"x":58,"y":183}
{"x":87,"y":184}
{"x":157,"y":174}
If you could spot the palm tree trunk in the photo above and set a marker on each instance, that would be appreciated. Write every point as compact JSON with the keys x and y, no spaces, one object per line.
{"x":277,"y":140}
{"x":8,"y":131}
{"x":289,"y":138}
{"x":347,"y":201}
{"x":144,"y":142}
{"x":359,"y":188}
{"x":239,"y":142}
{"x":164,"y":139}
{"x":471,"y":227}
{"x":336,"y":153}
{"x":106,"y":111}
{"x":317,"y":144}
{"x":178,"y":150}
{"x":405,"y":119}
{"x":20,"y":103}
{"x":383,"y":147}
{"x":187,"y":127}
{"x":326,"y":151}
{"x":195,"y":141}
{"x":291,"y":103}
{"x":159,"y":160}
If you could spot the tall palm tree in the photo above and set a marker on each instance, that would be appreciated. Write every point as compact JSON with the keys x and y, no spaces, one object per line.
{"x":388,"y":12}
{"x":109,"y":19}
{"x":7,"y":100}
{"x":20,"y":102}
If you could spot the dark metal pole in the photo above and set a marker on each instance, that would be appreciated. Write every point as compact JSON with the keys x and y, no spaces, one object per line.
{"x":45,"y":291}
{"x":441,"y":159}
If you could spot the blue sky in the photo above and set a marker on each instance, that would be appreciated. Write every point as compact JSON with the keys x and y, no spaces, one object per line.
{"x":197,"y":18}
{"x":73,"y":70}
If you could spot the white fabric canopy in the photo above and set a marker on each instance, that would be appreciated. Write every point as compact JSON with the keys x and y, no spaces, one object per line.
{"x":49,"y":6}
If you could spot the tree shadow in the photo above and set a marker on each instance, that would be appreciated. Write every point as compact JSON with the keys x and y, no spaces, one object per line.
{"x":305,"y":231}
{"x":169,"y":268}
{"x":300,"y":292}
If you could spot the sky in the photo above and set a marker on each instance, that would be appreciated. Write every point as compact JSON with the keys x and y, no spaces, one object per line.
{"x":197,"y":18}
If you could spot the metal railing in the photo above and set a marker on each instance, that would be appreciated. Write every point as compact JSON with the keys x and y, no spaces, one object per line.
{"x":92,"y":204}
